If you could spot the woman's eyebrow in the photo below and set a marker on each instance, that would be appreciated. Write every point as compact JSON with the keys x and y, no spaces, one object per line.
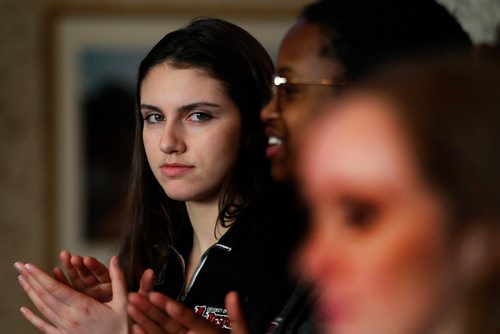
{"x":150,"y":107}
{"x":285,"y":70}
{"x":195,"y":105}
{"x":181,"y":109}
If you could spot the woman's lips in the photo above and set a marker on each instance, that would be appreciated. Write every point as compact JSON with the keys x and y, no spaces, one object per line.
{"x":273,"y":146}
{"x":175,"y":169}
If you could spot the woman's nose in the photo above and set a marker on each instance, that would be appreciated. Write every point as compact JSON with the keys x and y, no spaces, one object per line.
{"x":172,"y":140}
{"x":269,"y":112}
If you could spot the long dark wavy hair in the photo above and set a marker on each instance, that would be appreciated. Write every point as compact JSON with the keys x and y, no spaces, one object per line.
{"x":238,"y":61}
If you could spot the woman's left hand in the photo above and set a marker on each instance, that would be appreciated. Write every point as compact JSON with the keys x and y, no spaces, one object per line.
{"x":157,"y":314}
{"x":69,"y":311}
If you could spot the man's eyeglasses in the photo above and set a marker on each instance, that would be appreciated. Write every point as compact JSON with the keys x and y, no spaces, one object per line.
{"x":283,"y":87}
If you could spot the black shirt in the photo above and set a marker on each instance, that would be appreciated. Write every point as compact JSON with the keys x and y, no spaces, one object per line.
{"x":250,"y":258}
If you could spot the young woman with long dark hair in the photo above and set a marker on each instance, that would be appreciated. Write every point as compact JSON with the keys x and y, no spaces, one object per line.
{"x":196,"y":216}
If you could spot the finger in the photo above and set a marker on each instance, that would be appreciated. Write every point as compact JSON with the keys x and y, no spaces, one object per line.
{"x":36,"y":321}
{"x":136,"y":329}
{"x":151,"y":317}
{"x":98,"y":269}
{"x":19,"y":266}
{"x":85,"y":275}
{"x":146,"y":284}
{"x":65,"y":257}
{"x":40,"y":300}
{"x":142,"y":321}
{"x":59,"y":275}
{"x":52,"y":287}
{"x":101,"y":292}
{"x":118,"y":284}
{"x":236,"y":317}
{"x":182,"y":315}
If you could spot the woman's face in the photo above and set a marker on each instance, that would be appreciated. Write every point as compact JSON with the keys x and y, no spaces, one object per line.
{"x":299,"y":59}
{"x":377,"y":253}
{"x":191,"y":131}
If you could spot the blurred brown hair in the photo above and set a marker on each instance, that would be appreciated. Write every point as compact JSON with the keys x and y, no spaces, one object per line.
{"x":450,"y":108}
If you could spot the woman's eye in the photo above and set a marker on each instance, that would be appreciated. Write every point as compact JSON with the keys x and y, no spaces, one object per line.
{"x":153,"y":118}
{"x":199,"y":117}
{"x":288,"y":91}
{"x":359,"y":213}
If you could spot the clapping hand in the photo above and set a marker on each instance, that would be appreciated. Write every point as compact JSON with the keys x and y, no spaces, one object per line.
{"x":86,"y":275}
{"x":157,"y":313}
{"x":69,"y":311}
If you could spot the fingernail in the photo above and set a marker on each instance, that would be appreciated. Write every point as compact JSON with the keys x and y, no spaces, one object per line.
{"x":18,"y":266}
{"x":21,"y":280}
{"x":23,"y":311}
{"x":28,"y":267}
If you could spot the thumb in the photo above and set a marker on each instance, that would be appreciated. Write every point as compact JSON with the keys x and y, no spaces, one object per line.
{"x":146,"y":284}
{"x":236,"y":317}
{"x":118,"y":284}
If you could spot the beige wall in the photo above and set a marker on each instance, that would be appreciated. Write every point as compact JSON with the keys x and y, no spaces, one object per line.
{"x":24,"y":197}
{"x":21,"y":153}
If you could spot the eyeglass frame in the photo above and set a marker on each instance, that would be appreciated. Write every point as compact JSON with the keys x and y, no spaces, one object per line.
{"x":280,"y":81}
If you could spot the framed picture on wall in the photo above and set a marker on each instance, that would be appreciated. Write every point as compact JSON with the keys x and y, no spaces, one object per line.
{"x":92,"y":58}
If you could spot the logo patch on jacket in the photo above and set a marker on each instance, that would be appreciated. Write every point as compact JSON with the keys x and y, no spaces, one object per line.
{"x":217,"y":316}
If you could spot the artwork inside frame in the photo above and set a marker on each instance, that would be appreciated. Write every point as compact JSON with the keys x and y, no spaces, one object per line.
{"x":93,"y":63}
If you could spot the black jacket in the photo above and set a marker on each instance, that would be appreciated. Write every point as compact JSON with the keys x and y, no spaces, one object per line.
{"x":251,"y":258}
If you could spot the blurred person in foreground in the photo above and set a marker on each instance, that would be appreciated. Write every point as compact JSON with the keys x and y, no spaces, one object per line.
{"x":401,"y":175}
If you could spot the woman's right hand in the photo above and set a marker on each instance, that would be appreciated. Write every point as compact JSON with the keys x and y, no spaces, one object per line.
{"x":91,"y":277}
{"x":86,"y":275}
